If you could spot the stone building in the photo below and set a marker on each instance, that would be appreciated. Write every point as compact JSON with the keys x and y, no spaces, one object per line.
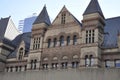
{"x":66,"y":44}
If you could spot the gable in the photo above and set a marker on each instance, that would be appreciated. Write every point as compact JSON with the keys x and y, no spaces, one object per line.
{"x":69,"y":18}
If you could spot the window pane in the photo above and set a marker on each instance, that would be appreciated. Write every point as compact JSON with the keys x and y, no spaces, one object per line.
{"x":74,"y":39}
{"x":61,"y":40}
{"x":117,"y":63}
{"x":55,"y":42}
{"x":49,"y":42}
{"x":68,"y":40}
{"x":109,"y":63}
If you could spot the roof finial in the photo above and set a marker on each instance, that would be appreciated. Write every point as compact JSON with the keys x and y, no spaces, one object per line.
{"x":45,"y":5}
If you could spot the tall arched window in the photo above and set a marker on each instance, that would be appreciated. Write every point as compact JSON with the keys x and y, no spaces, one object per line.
{"x":61,"y":40}
{"x":91,"y":60}
{"x":55,"y":42}
{"x":31,"y":64}
{"x":49,"y":42}
{"x":87,"y":61}
{"x":74,"y":40}
{"x":68,"y":40}
{"x":35,"y":62}
{"x":21,"y":52}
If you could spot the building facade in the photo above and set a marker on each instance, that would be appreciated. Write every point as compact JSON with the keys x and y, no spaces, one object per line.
{"x":26,"y":24}
{"x":67,"y":44}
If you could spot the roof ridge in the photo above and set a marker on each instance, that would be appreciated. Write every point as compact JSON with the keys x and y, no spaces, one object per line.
{"x":112,"y":18}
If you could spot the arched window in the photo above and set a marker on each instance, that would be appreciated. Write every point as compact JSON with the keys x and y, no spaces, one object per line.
{"x":91,"y":60}
{"x":75,"y":64}
{"x":25,"y":67}
{"x":35,"y":62}
{"x":87,"y":61}
{"x":55,"y":42}
{"x":74,"y":40}
{"x":45,"y":66}
{"x":11,"y":69}
{"x":64,"y":64}
{"x":21,"y":52}
{"x":16,"y":68}
{"x":68,"y":40}
{"x":54,"y":65}
{"x":7,"y":69}
{"x":49,"y":42}
{"x":61,"y":40}
{"x":20,"y":68}
{"x":31,"y":64}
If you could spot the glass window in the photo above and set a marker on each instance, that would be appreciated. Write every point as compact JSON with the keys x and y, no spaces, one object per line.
{"x":68,"y":40}
{"x":20,"y":68}
{"x":49,"y":43}
{"x":90,"y":36}
{"x":91,"y":60}
{"x":54,"y":65}
{"x":117,"y":63}
{"x":11,"y":69}
{"x":74,"y":40}
{"x":25,"y":67}
{"x":64,"y":64}
{"x":61,"y":40}
{"x":21,"y":51}
{"x":87,"y":61}
{"x":16,"y":68}
{"x":63,"y":16}
{"x":35,"y":62}
{"x":36,"y":43}
{"x":7,"y":69}
{"x":31,"y":64}
{"x":74,"y":64}
{"x":45,"y":66}
{"x":55,"y":42}
{"x":109,"y":63}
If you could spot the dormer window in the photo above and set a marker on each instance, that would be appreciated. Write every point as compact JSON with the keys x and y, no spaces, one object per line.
{"x":63,"y":16}
{"x":21,"y":53}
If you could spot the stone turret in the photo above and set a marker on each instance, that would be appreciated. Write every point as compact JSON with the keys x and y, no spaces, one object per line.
{"x":93,"y":28}
{"x":38,"y":31}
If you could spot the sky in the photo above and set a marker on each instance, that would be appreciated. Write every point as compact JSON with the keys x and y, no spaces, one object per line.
{"x":20,"y":9}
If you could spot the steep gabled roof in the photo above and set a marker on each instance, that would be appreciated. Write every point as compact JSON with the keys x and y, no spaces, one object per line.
{"x":43,"y":17}
{"x":3,"y":26}
{"x":26,"y":37}
{"x":93,"y":7}
{"x":57,"y":20}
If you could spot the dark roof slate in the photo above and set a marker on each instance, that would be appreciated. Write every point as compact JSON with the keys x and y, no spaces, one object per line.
{"x":8,"y":42}
{"x":43,"y":17}
{"x":111,"y":29}
{"x":26,"y":37}
{"x":3,"y":26}
{"x":93,"y":7}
